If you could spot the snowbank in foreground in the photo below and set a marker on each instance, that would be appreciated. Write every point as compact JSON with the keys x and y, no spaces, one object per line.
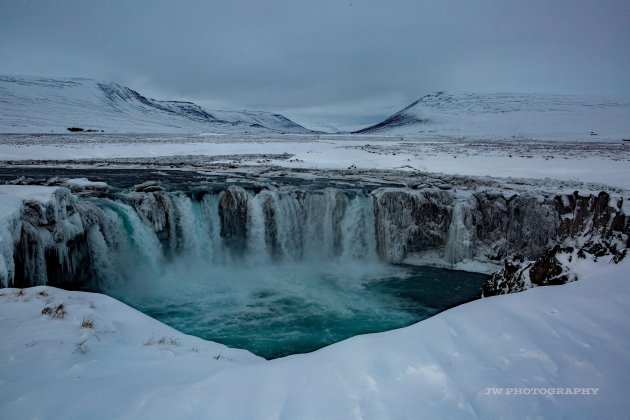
{"x":131,"y":366}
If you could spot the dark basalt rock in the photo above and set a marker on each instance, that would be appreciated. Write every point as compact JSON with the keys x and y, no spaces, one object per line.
{"x":547,"y":270}
{"x":233,"y":211}
{"x":619,"y":256}
{"x":522,"y":224}
{"x":506,"y":280}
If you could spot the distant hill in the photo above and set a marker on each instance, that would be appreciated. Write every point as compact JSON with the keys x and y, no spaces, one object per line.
{"x":44,"y":105}
{"x":509,"y":115}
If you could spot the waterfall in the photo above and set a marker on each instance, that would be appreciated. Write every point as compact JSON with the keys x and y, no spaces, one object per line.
{"x":132,"y":246}
{"x":102,"y":265}
{"x":194,"y":237}
{"x":230,"y":227}
{"x":288,"y":223}
{"x":138,"y":235}
{"x":358,"y":230}
{"x":209,"y":206}
{"x":459,"y":242}
{"x":257,"y":247}
{"x":324,"y":212}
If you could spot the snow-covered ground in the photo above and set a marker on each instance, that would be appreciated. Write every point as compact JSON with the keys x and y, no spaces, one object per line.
{"x":600,"y":162}
{"x":558,"y":351}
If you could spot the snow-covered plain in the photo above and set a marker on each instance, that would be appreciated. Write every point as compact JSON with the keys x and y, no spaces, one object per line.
{"x":599,"y":162}
{"x":550,"y":340}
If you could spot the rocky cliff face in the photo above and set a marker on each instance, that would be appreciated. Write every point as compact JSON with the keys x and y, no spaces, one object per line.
{"x":588,"y":226}
{"x":75,"y":241}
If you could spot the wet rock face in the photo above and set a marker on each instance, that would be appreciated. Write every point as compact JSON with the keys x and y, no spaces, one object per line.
{"x":522,"y":224}
{"x":490,"y":225}
{"x":233,"y":213}
{"x":411,"y":221}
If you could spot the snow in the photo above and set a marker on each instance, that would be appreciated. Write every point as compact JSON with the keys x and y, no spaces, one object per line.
{"x":81,"y":184}
{"x":512,"y":116}
{"x":571,"y":336}
{"x":45,"y":105}
{"x":12,"y":196}
{"x":607,"y":163}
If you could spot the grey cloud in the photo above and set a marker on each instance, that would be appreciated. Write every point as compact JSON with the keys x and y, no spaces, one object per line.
{"x":323,"y":59}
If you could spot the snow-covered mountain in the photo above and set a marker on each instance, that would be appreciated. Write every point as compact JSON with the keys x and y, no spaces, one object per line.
{"x":509,"y":115}
{"x":43,"y":105}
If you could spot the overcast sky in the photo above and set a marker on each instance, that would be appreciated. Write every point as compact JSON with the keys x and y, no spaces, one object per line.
{"x":346,"y":63}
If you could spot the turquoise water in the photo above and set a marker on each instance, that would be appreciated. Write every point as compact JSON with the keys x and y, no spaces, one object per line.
{"x":279,"y":310}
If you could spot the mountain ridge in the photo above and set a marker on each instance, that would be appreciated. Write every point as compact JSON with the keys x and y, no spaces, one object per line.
{"x":30,"y":104}
{"x":510,"y":115}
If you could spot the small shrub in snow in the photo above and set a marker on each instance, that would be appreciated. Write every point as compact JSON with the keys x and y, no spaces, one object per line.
{"x":20,"y":293}
{"x":42,"y":293}
{"x":60,"y":312}
{"x":81,"y":346}
{"x":87,"y":322}
{"x":57,"y":312}
{"x":169,"y":341}
{"x":163,"y":340}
